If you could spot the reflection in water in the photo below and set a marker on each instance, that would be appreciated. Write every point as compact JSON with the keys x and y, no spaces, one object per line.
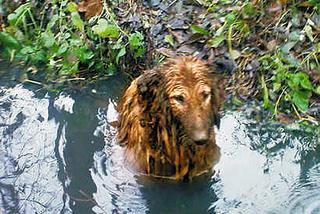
{"x":28,"y":166}
{"x":58,"y":155}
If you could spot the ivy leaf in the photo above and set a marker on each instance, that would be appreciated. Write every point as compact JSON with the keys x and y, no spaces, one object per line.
{"x":106,"y":30}
{"x":301,"y":99}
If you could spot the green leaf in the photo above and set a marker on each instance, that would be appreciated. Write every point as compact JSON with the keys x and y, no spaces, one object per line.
{"x":288,"y":46}
{"x":136,"y":44}
{"x":317,"y":90}
{"x":63,"y":48}
{"x":52,"y":22}
{"x":135,"y":40}
{"x":77,"y":21}
{"x":236,"y":101}
{"x":9,"y":41}
{"x":299,"y":80}
{"x":308,"y":30}
{"x":83,"y":53}
{"x":27,"y":50}
{"x":220,"y":31}
{"x":306,"y":84}
{"x":294,"y":36}
{"x":301,"y":99}
{"x":19,"y":14}
{"x":39,"y":56}
{"x":72,"y":7}
{"x":276,"y":86}
{"x":111,"y":69}
{"x":121,"y":53}
{"x":293,"y":81}
{"x":106,"y":30}
{"x":249,"y":10}
{"x":169,"y":39}
{"x":200,"y":30}
{"x":216,"y":41}
{"x":118,"y":44}
{"x":47,"y":39}
{"x":231,"y":18}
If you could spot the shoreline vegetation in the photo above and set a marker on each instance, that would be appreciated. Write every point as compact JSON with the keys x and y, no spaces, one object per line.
{"x":275,"y":45}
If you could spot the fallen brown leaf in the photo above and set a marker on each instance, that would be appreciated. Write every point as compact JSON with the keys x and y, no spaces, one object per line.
{"x":90,"y":8}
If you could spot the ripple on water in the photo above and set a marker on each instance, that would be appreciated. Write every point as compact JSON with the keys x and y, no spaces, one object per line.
{"x":42,"y":137}
{"x":305,"y":197}
{"x":117,"y":189}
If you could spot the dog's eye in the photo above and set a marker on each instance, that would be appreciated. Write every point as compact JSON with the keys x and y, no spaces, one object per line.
{"x":205,"y":95}
{"x":179,"y":98}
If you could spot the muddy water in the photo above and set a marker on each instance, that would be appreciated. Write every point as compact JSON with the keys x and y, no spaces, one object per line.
{"x":58,"y":155}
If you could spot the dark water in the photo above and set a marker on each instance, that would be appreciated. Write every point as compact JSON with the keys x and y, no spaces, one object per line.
{"x":58,"y":155}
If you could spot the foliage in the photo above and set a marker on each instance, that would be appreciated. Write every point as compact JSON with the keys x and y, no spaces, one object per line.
{"x":276,"y":44}
{"x":287,"y":82}
{"x":316,"y":4}
{"x":67,"y":44}
{"x":291,"y":54}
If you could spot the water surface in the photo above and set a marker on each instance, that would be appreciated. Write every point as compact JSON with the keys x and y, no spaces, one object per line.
{"x":58,"y":154}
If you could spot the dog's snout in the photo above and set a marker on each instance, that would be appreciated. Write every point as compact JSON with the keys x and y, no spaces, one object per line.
{"x":200,"y":137}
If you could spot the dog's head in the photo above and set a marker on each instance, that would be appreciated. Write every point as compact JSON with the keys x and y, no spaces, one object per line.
{"x":183,"y":86}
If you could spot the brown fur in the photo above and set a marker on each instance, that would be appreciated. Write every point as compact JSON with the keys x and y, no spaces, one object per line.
{"x":165,"y":114}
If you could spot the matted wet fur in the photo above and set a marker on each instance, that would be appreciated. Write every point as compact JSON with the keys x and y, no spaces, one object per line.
{"x":166,"y":120}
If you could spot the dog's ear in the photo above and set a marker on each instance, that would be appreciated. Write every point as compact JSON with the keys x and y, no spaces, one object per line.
{"x":224,"y":65}
{"x":216,"y":120}
{"x":217,"y":99}
{"x":150,"y":89}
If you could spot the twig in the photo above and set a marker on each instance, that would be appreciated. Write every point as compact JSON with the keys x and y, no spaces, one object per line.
{"x":92,"y":200}
{"x":277,"y":103}
{"x":33,"y":82}
{"x":172,"y":3}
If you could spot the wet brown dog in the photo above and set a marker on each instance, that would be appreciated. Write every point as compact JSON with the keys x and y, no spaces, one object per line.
{"x":166,"y":120}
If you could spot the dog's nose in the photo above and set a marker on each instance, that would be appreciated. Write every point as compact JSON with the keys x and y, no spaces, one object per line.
{"x":201,"y":137}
